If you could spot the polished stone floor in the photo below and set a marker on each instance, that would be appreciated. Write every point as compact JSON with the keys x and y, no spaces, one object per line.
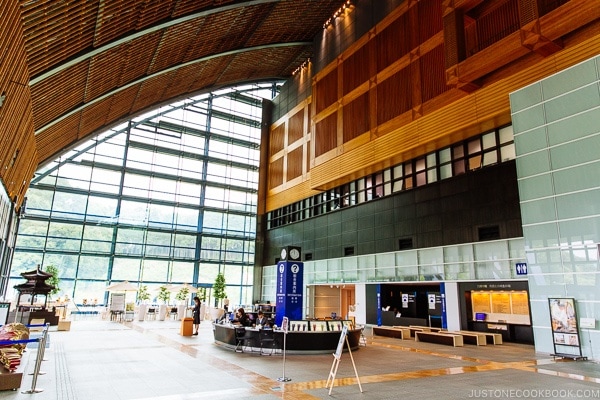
{"x":105,"y":360}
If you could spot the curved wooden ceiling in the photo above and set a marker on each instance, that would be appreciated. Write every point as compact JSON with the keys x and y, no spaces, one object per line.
{"x":95,"y":62}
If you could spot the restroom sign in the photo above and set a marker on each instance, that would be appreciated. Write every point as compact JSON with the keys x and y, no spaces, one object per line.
{"x":521,"y":268}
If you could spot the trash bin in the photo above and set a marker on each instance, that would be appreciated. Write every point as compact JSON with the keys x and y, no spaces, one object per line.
{"x":187,"y":327}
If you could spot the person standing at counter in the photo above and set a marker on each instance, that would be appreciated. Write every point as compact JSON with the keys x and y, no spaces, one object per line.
{"x":241,"y":317}
{"x":196,"y":315}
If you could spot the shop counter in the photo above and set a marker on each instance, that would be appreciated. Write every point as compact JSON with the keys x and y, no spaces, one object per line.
{"x":295,"y":342}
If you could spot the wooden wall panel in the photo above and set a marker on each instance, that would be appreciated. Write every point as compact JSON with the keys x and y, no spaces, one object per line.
{"x":356,"y":117}
{"x":433,"y":74}
{"x":394,"y":96}
{"x":277,"y":139}
{"x":430,"y":11}
{"x":296,"y":127}
{"x":326,"y":91}
{"x":276,"y":173}
{"x":356,"y":68}
{"x":393,"y":42}
{"x":421,"y":105}
{"x":325,"y":135}
{"x":495,"y":23}
{"x":294,"y":164}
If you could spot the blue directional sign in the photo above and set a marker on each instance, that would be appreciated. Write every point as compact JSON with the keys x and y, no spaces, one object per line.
{"x":289,"y":291}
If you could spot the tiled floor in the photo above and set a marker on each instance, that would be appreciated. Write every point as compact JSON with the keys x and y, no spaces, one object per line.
{"x":98,"y":360}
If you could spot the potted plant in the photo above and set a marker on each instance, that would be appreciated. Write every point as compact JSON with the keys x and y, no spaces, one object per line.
{"x":165,"y":296}
{"x":143,"y":293}
{"x":219,"y":294}
{"x":181,"y":296}
{"x":219,"y":288}
{"x":202,"y":294}
{"x":143,"y":297}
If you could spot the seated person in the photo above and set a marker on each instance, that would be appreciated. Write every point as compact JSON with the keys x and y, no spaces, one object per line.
{"x":241,"y":318}
{"x":263,"y":321}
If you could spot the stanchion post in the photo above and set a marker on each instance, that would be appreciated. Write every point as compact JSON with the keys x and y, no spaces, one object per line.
{"x":36,"y":369}
{"x":45,"y":339}
{"x":284,"y":327}
{"x":42,"y":347}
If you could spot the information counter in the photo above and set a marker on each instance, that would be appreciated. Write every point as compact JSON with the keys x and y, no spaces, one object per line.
{"x":295,"y":342}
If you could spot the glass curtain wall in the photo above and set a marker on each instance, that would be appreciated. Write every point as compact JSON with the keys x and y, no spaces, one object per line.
{"x":169,"y":197}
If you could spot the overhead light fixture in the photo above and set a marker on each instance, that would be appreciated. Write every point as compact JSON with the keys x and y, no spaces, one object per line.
{"x":336,"y":14}
{"x":304,"y":65}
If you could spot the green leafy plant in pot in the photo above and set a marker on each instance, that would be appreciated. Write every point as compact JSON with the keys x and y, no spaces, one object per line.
{"x":143,"y":293}
{"x":164,"y":294}
{"x":182,"y":294}
{"x":219,"y":288}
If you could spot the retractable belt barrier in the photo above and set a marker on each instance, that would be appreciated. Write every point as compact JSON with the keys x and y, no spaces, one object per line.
{"x":40,"y":353}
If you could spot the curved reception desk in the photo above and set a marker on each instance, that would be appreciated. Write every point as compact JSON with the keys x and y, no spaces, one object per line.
{"x":303,"y":342}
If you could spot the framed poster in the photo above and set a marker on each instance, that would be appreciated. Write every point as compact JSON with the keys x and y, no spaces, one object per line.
{"x":565,"y":334}
{"x":562,"y":315}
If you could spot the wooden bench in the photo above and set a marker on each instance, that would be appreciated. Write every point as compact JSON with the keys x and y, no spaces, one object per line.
{"x":413,"y":330}
{"x":394,"y":332}
{"x":491,"y":338}
{"x":440,"y":338}
{"x":476,"y":338}
{"x":426,"y":328}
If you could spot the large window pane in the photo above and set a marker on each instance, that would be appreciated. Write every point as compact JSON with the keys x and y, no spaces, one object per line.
{"x":141,"y":218}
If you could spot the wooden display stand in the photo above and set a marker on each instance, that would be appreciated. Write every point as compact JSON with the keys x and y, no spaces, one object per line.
{"x":64,"y":325}
{"x":187,"y":327}
{"x":11,"y":380}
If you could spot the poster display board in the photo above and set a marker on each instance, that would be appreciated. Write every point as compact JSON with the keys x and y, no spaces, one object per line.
{"x":117,"y":302}
{"x":4,"y":309}
{"x":565,"y":334}
{"x":507,"y":306}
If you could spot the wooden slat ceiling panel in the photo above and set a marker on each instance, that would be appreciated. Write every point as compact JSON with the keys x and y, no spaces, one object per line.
{"x":219,"y":34}
{"x":115,"y":19}
{"x":174,"y":44}
{"x":183,"y":7}
{"x":102,"y":76}
{"x":62,"y":134}
{"x":151,"y":91}
{"x":122,"y":102}
{"x":93,"y":117}
{"x":182,"y":80}
{"x":56,"y":30}
{"x":210,"y":72}
{"x":152,"y":11}
{"x":244,"y":66}
{"x":290,"y":21}
{"x":139,"y":56}
{"x":56,"y":95}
